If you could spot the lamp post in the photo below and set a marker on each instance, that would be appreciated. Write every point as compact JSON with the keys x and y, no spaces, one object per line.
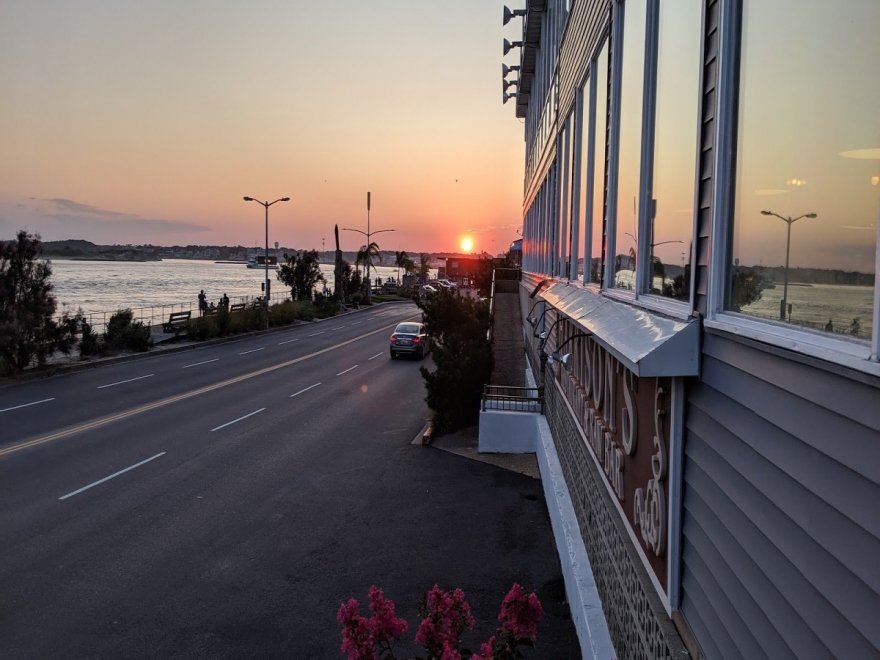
{"x":367,"y":233}
{"x":789,"y":221}
{"x":266,"y":205}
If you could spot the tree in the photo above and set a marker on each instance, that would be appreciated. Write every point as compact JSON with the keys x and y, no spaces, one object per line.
{"x":463,"y":355}
{"x":400,"y":260}
{"x":424,"y":265}
{"x":27,"y":330}
{"x":301,"y":273}
{"x":367,"y":255}
{"x":746,"y":287}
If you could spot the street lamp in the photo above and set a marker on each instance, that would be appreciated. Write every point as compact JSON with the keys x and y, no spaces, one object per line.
{"x":789,"y":221}
{"x":266,"y":205}
{"x":367,"y":233}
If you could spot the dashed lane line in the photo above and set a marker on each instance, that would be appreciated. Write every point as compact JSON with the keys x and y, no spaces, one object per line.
{"x":112,"y":476}
{"x":25,"y":405}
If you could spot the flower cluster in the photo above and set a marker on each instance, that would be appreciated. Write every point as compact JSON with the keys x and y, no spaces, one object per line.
{"x":361,"y":636}
{"x":445,"y":617}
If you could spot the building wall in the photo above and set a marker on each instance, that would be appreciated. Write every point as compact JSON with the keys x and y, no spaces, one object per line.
{"x":781,"y":524}
{"x":777,"y":530}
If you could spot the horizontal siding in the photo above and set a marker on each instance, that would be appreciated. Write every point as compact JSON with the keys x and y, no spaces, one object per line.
{"x":586,"y":23}
{"x":782,"y":507}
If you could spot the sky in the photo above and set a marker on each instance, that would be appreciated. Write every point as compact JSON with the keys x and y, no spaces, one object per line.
{"x":147,"y":122}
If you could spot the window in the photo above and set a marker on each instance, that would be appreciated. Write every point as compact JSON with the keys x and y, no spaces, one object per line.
{"x":629,"y":143}
{"x":670,"y":217}
{"x":807,"y":187}
{"x":599,"y":139}
{"x":566,"y":157}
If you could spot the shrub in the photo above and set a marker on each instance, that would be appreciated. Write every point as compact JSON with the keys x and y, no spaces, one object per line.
{"x":463,"y":356}
{"x":283,"y":313}
{"x":125,"y":334}
{"x":90,"y":342}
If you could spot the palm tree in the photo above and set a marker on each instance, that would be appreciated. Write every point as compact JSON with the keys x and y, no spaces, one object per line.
{"x":367,"y":254}
{"x":400,"y":259}
{"x":424,"y":264}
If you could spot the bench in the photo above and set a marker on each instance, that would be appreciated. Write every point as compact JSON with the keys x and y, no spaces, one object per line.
{"x":210,"y":311}
{"x":177,"y":321}
{"x":236,"y":307}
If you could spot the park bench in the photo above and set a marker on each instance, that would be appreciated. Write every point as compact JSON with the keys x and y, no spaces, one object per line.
{"x":177,"y":321}
{"x":210,"y":311}
{"x":236,"y":307}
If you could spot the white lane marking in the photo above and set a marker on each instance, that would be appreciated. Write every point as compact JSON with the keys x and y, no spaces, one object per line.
{"x":253,"y":350}
{"x":315,"y":334}
{"x":288,"y":341}
{"x":376,"y":355}
{"x":357,"y":323}
{"x":112,"y":476}
{"x":347,"y":370}
{"x":222,"y":426}
{"x":101,"y":422}
{"x":121,"y":382}
{"x":338,"y":327}
{"x":196,"y":364}
{"x":25,"y":405}
{"x":303,"y":390}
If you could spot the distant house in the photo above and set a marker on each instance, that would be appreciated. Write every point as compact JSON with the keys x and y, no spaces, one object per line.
{"x":459,"y":269}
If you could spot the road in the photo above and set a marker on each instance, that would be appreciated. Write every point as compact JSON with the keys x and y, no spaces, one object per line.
{"x":222,"y":502}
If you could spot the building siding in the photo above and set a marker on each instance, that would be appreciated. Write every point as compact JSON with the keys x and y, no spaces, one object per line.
{"x":781,"y":521}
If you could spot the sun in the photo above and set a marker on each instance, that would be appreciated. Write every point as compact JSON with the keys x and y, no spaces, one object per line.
{"x":467,"y":244}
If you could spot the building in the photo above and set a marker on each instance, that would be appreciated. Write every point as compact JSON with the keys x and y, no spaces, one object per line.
{"x":701,"y":305}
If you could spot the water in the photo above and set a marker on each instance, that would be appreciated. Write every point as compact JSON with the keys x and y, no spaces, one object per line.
{"x":153,"y":289}
{"x":848,"y":309}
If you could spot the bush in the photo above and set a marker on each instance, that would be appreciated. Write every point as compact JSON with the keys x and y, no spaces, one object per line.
{"x":463,"y":355}
{"x":125,"y":334}
{"x":284,"y":313}
{"x":90,"y":342}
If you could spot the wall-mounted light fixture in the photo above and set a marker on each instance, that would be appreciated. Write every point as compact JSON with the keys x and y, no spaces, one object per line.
{"x":559,"y":356}
{"x":532,"y":319}
{"x":507,"y":69}
{"x":511,"y":13}
{"x":505,"y":97}
{"x":509,"y":45}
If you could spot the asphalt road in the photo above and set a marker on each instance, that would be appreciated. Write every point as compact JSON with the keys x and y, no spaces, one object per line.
{"x":222,"y":502}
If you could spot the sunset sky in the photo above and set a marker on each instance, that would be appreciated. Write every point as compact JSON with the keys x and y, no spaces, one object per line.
{"x":147,"y":122}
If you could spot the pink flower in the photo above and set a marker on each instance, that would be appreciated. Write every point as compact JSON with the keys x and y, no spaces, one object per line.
{"x":445,"y":616}
{"x":520,"y":614}
{"x":384,"y":625}
{"x":487,"y":650}
{"x":450,"y":652}
{"x":357,"y":638}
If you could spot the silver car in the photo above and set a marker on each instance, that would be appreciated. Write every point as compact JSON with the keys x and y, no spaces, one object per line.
{"x":410,"y":338}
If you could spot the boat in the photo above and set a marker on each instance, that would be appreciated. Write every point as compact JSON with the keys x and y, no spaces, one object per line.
{"x":259,"y":261}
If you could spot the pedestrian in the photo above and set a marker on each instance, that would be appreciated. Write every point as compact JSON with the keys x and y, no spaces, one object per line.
{"x":203,"y":302}
{"x":224,"y":301}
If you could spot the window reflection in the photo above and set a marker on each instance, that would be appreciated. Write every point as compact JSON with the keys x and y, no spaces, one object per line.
{"x":804,"y":243}
{"x":584,"y":206}
{"x":630,"y":140}
{"x":600,"y":137}
{"x":675,"y":147}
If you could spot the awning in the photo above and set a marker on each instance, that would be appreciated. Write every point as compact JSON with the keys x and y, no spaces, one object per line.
{"x":645,"y":342}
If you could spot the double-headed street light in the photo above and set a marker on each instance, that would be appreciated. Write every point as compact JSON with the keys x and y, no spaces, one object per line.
{"x":266,"y":205}
{"x":788,"y":221}
{"x":367,"y":233}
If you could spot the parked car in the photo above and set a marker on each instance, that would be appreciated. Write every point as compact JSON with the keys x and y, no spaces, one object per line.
{"x":427,"y":290}
{"x":410,"y":338}
{"x":446,"y":284}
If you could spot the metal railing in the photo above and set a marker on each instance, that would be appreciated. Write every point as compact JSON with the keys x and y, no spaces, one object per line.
{"x":513,"y":399}
{"x":156,"y":315}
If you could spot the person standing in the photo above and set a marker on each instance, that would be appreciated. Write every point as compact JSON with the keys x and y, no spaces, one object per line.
{"x":203,"y":302}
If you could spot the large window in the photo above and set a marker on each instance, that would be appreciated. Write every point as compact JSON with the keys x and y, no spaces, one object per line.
{"x":600,"y":140}
{"x":804,"y":247}
{"x":629,"y":141}
{"x":676,"y":121}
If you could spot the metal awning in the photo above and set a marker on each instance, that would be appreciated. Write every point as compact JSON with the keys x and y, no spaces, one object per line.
{"x":645,"y":342}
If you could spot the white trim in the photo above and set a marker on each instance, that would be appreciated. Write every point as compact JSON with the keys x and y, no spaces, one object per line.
{"x":679,"y":309}
{"x":853,"y":354}
{"x":675,"y":500}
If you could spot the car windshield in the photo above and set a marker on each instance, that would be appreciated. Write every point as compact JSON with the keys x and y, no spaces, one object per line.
{"x":407,"y":329}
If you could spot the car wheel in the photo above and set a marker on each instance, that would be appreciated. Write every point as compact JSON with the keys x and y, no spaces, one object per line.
{"x":393,"y":355}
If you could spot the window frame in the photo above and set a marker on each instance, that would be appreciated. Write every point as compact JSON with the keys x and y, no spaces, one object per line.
{"x":641,"y":294}
{"x":854,"y":354}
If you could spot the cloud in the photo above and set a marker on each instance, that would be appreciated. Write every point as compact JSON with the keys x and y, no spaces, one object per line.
{"x":59,"y":218}
{"x":77,"y":207}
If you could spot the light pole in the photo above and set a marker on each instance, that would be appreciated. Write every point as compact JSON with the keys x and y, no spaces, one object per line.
{"x":266,"y":205}
{"x":789,"y":221}
{"x":367,"y":233}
